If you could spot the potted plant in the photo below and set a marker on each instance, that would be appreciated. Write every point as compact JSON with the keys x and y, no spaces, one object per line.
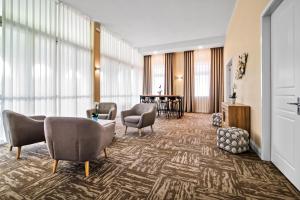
{"x":95,"y":116}
{"x":159,"y":90}
{"x":233,"y":96}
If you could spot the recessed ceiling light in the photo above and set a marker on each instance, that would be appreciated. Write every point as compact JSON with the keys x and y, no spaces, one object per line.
{"x":200,"y":47}
{"x":155,"y":52}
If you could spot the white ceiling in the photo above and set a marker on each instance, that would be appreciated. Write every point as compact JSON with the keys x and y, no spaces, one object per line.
{"x":149,"y":24}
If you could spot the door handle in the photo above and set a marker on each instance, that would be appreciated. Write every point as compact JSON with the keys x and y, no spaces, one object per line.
{"x":296,"y":104}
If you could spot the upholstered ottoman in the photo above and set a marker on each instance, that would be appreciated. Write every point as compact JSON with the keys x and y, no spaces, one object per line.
{"x":217,"y":119}
{"x":234,"y":140}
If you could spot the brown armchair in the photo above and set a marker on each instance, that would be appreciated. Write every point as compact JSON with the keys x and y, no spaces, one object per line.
{"x":139,"y":116}
{"x":106,"y":110}
{"x":22,"y":130}
{"x":77,"y":139}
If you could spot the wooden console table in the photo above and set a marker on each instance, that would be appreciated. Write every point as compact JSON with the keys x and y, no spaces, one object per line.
{"x":236,"y":115}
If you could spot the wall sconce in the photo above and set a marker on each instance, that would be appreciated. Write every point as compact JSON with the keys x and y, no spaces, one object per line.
{"x":180,"y":77}
{"x":97,"y":68}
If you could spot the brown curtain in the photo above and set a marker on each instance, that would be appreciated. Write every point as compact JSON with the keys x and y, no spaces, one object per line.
{"x":147,"y":79}
{"x":169,"y":73}
{"x":188,"y":81}
{"x":217,"y":79}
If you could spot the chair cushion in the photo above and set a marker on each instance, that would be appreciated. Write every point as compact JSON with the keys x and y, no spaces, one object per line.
{"x":132,"y":119}
{"x":102,"y":116}
{"x":106,"y":122}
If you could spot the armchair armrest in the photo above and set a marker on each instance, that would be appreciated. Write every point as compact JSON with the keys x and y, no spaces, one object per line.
{"x":112,"y":113}
{"x":126,"y":113}
{"x":38,"y":117}
{"x":107,"y":133}
{"x":147,"y":119}
{"x":90,"y":112}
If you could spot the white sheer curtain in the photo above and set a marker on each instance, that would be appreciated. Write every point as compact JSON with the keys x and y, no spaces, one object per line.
{"x":121,"y":71}
{"x":202,"y":80}
{"x":46,"y":60}
{"x":73,"y":62}
{"x":158,"y":73}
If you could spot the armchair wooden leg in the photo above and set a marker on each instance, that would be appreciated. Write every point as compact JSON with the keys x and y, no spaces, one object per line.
{"x":18,"y":152}
{"x":152,"y":128}
{"x":140,"y":132}
{"x":126,"y":129}
{"x":87,"y":168}
{"x":10,"y":148}
{"x":105,"y":153}
{"x":54,"y":166}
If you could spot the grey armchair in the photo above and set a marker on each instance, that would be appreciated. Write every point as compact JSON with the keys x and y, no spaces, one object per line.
{"x":106,"y":110}
{"x":139,"y":116}
{"x":77,"y":139}
{"x":21,"y":130}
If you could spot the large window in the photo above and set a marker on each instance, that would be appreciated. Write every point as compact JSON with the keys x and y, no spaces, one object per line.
{"x":2,"y":135}
{"x":202,"y":80}
{"x":121,"y":71}
{"x":46,"y":59}
{"x":158,"y":73}
{"x":73,"y":62}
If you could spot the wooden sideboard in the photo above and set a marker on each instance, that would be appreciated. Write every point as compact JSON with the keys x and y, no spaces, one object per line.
{"x":236,"y":115}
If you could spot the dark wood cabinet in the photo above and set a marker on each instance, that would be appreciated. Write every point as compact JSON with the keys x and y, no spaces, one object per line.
{"x":236,"y":115}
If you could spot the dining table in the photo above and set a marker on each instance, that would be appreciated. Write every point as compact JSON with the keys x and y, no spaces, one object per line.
{"x":180,"y":99}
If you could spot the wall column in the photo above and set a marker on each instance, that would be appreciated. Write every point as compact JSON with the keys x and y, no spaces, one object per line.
{"x":96,"y":60}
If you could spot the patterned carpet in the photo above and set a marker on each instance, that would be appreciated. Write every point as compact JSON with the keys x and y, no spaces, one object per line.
{"x":179,"y":161}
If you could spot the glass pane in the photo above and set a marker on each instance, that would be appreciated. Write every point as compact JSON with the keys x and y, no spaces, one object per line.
{"x":34,"y":83}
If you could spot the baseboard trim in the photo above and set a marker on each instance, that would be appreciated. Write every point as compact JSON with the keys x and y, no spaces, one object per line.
{"x":255,"y":148}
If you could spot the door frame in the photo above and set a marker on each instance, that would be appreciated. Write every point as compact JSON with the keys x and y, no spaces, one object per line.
{"x":266,"y":99}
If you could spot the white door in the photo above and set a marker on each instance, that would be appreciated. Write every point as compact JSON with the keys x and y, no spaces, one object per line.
{"x":285,"y":75}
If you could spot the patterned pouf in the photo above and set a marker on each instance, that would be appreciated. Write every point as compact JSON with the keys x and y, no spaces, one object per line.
{"x":234,"y":140}
{"x":217,"y":119}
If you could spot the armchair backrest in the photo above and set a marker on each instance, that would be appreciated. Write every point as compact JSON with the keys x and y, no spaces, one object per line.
{"x":22,"y":130}
{"x":106,"y":107}
{"x":141,"y":108}
{"x":75,"y":139}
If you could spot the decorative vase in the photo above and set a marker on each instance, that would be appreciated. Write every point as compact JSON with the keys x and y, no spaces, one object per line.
{"x":232,"y":100}
{"x":159,"y":93}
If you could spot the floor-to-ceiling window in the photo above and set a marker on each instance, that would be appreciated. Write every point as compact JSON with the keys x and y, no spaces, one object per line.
{"x":73,"y":62}
{"x":46,"y":59}
{"x":158,"y":73}
{"x":202,"y":79}
{"x":121,"y":71}
{"x":2,"y":135}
